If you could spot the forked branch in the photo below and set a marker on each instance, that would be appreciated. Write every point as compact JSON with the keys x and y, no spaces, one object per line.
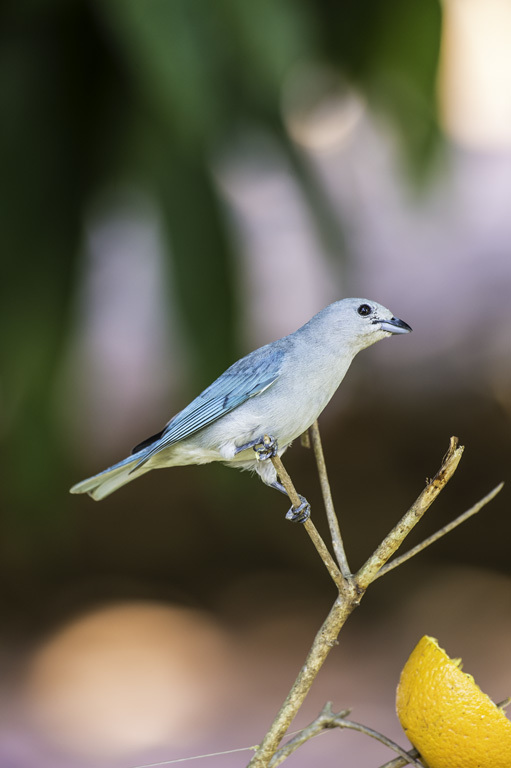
{"x":351,"y":588}
{"x":329,"y":719}
{"x":391,"y":543}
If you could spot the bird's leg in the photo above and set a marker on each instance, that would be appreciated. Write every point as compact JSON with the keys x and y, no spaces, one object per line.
{"x":295,"y":515}
{"x":265,"y":447}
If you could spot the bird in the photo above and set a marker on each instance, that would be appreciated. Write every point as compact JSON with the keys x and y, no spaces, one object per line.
{"x":264,"y":401}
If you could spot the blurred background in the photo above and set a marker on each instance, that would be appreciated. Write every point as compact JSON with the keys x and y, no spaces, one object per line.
{"x":182,"y":182}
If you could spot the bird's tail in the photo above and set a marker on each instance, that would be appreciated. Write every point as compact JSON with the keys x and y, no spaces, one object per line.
{"x":104,"y":483}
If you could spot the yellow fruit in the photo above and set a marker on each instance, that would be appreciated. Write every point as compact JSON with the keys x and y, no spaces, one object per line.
{"x":446,"y":716}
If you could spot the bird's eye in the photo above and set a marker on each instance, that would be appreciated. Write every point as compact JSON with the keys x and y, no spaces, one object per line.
{"x":364,"y":309}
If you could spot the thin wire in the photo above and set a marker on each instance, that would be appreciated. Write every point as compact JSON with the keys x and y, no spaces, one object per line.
{"x":210,"y":754}
{"x":196,"y":757}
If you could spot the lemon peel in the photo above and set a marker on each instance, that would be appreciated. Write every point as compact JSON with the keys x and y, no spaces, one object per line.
{"x":446,"y":716}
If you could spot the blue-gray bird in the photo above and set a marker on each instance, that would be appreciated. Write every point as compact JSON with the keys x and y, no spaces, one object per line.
{"x":262,"y":403}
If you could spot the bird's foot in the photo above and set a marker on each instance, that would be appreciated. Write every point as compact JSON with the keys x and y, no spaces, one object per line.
{"x":299,"y":514}
{"x":266,"y":448}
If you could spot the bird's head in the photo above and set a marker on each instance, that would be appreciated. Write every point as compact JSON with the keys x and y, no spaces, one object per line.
{"x":362,"y":322}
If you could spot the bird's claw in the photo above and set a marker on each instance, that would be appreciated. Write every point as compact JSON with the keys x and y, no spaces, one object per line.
{"x":299,"y":514}
{"x":266,"y":449}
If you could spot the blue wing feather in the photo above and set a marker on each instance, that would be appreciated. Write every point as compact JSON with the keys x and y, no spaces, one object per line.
{"x":246,"y":378}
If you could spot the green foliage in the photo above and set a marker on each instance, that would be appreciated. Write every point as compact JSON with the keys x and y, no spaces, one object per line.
{"x":391,"y":51}
{"x":144,"y":91}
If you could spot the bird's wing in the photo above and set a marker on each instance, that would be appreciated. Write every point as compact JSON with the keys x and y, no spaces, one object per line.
{"x":246,"y":378}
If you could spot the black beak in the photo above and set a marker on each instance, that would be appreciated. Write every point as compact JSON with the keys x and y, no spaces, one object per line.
{"x":394,"y":325}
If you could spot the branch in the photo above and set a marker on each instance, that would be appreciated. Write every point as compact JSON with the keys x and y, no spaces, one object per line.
{"x":333,"y":522}
{"x":328,"y":719}
{"x":323,"y":643}
{"x":438,"y":535}
{"x":341,"y":723}
{"x":305,"y":439}
{"x":309,"y":526}
{"x":319,"y":725}
{"x":397,"y":535}
{"x":351,"y":590}
{"x":406,"y":759}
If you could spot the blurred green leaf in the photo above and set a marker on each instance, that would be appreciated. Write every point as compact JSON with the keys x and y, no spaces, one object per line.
{"x":203,"y":267}
{"x":161,"y":44}
{"x":391,"y":51}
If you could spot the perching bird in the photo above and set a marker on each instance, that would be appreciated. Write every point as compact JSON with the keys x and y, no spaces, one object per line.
{"x":276,"y":391}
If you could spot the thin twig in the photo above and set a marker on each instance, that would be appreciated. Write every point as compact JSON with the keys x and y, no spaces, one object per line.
{"x":342,"y":723}
{"x":318,"y":726}
{"x":305,"y":439}
{"x":309,"y":526}
{"x":328,"y":719}
{"x":438,"y":535}
{"x":333,"y":521}
{"x":397,"y":535}
{"x":400,"y":762}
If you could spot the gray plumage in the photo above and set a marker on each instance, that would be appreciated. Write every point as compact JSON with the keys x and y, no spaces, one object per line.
{"x":278,"y":390}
